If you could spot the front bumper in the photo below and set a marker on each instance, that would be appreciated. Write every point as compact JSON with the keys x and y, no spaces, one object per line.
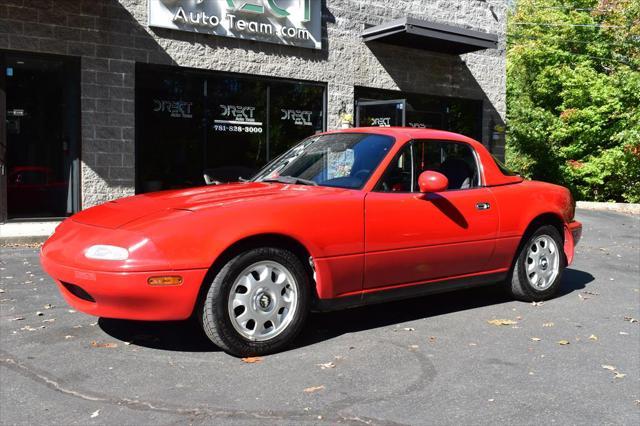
{"x":126,"y":295}
{"x":118,"y":289}
{"x":572,"y":236}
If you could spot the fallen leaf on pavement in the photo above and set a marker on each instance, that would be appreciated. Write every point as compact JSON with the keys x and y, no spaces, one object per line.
{"x":39,"y":313}
{"x":48,"y":306}
{"x":313,"y":389}
{"x":68,"y":337}
{"x":536,"y":339}
{"x":548,"y":324}
{"x":1,"y":290}
{"x":409,"y":329}
{"x":17,"y":319}
{"x":619,"y":375}
{"x":326,"y":365}
{"x":432,"y":339}
{"x":583,"y":298}
{"x":593,"y":337}
{"x":563,"y":342}
{"x":500,"y":322}
{"x":537,"y":303}
{"x":630,"y":319}
{"x":49,"y":320}
{"x":29,"y":328}
{"x":95,"y":414}
{"x":103,"y":345}
{"x":608,"y":367}
{"x":252,"y":359}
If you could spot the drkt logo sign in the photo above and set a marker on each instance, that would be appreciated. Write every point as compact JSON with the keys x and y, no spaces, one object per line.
{"x":176,"y":109}
{"x":238,"y":114}
{"x":381,"y":122}
{"x":300,"y":118}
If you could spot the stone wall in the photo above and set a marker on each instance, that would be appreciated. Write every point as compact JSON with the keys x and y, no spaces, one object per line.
{"x":111,"y":36}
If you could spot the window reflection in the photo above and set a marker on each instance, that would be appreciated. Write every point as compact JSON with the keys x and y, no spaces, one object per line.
{"x":189,"y":123}
{"x":42,"y":130}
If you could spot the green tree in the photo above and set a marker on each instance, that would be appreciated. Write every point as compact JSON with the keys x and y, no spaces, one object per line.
{"x":573,"y":95}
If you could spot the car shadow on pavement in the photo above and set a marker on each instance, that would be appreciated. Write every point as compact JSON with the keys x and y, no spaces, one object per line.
{"x":324,"y":326}
{"x":187,"y":336}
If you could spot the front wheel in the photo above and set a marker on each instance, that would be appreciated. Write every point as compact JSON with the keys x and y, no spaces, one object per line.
{"x":257,"y":303}
{"x":538,"y":269}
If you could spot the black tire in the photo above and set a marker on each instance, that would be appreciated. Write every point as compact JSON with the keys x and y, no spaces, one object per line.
{"x":519,"y":283}
{"x":214,"y":312}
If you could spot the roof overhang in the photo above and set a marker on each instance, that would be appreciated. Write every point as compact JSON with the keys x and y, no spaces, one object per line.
{"x":419,"y":34}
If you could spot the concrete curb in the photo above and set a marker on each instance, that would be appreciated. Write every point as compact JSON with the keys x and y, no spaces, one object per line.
{"x":22,"y":241}
{"x":612,"y":207}
{"x":26,"y":233}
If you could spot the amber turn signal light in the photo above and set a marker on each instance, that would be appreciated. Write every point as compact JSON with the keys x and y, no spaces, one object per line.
{"x":165,"y":281}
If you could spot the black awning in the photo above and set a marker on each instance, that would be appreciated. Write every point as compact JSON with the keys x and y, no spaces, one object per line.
{"x":419,"y":34}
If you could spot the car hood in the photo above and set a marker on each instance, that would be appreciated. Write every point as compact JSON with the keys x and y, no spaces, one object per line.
{"x":119,"y":213}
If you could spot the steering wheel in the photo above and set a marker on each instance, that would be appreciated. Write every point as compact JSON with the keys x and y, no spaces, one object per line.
{"x":362,"y":174}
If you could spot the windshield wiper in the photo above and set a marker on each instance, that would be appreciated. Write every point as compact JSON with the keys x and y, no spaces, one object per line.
{"x":291,"y":180}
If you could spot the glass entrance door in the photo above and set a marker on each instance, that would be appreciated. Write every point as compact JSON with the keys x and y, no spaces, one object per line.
{"x":391,"y":113}
{"x":40,"y":136}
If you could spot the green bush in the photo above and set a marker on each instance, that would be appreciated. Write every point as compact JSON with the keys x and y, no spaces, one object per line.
{"x":573,"y":95}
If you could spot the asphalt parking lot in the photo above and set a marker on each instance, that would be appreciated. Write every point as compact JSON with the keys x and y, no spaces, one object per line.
{"x":436,"y":360}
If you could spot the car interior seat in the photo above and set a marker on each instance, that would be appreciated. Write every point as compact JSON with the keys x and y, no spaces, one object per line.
{"x":458,"y":172}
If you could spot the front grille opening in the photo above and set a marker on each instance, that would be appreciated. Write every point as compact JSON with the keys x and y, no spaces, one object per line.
{"x":79,"y":292}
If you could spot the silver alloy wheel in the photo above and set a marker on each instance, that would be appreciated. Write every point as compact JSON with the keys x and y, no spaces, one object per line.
{"x":542,"y":262}
{"x":263,"y":301}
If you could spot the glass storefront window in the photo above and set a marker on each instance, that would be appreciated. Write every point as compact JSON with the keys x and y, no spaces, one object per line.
{"x":297,"y":110}
{"x":432,"y":112}
{"x":236,"y":144}
{"x":42,"y":113}
{"x":227,"y":126}
{"x":170,"y":116}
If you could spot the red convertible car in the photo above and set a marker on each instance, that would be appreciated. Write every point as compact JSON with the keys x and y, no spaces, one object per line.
{"x":343,"y":219}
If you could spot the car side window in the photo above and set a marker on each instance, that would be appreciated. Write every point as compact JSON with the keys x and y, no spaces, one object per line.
{"x":455,"y":160}
{"x":399,"y":176}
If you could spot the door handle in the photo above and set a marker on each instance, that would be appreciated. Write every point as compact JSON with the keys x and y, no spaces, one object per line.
{"x":483,"y":206}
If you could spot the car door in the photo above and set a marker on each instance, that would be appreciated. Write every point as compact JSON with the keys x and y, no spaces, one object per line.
{"x":412,"y":237}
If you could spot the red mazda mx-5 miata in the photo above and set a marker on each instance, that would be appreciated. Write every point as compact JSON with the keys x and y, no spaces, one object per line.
{"x":344,"y":218}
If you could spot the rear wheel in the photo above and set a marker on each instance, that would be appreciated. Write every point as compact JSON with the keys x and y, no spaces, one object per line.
{"x":538,"y":269}
{"x":257,"y":303}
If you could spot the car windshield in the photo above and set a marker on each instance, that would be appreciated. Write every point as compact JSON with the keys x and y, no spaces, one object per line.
{"x":341,"y":160}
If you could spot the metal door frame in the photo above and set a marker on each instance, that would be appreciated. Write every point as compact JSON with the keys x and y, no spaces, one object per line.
{"x":3,"y":141}
{"x":403,"y":102}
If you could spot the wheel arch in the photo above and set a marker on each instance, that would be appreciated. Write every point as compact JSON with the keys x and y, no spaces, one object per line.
{"x":548,"y":218}
{"x":255,"y":241}
{"x":542,"y":219}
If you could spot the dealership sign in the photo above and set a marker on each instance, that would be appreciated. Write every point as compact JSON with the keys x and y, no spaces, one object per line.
{"x":290,"y":22}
